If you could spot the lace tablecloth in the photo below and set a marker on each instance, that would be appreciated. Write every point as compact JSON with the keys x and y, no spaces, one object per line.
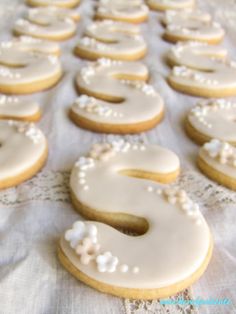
{"x":34,"y":214}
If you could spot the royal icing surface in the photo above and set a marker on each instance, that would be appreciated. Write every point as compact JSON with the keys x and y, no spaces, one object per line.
{"x":215,"y":119}
{"x":170,"y":4}
{"x":33,"y":44}
{"x":50,"y":22}
{"x":184,"y":17}
{"x":59,"y":3}
{"x":17,"y":108}
{"x":139,"y":101}
{"x":164,"y":255}
{"x":191,"y":25}
{"x":203,"y":66}
{"x":221,"y":156}
{"x":21,"y":64}
{"x":122,"y":10}
{"x":25,"y":139}
{"x":112,"y":39}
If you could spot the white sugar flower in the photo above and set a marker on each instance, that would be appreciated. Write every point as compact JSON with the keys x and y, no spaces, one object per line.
{"x":80,"y":231}
{"x":107,"y":262}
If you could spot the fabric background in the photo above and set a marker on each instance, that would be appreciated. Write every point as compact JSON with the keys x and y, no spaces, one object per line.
{"x":34,"y":214}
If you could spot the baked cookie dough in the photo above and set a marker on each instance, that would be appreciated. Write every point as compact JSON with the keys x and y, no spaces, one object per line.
{"x":56,"y":3}
{"x":114,"y":40}
{"x":118,"y":186}
{"x":212,"y":119}
{"x":48,"y":23}
{"x":23,"y":70}
{"x":23,"y":152}
{"x":192,"y":25}
{"x":122,"y":105}
{"x":217,"y":160}
{"x":15,"y":108}
{"x":202,"y":70}
{"x":163,"y":5}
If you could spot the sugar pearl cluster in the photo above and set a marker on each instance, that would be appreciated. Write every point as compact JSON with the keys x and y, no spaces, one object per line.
{"x":203,"y":109}
{"x":93,"y":43}
{"x":179,"y":47}
{"x":91,"y":105}
{"x":28,"y":129}
{"x":179,"y":197}
{"x":105,"y":62}
{"x":8,"y":100}
{"x":7,"y":73}
{"x":104,"y":151}
{"x":143,"y":87}
{"x":222,"y":151}
{"x":31,"y":27}
{"x":86,"y":73}
{"x":82,"y":238}
{"x":30,"y":40}
{"x":182,"y":71}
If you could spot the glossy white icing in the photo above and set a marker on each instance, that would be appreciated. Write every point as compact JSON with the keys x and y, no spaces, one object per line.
{"x":203,"y":66}
{"x":57,"y":3}
{"x":170,"y":4}
{"x":221,"y":156}
{"x":129,"y":11}
{"x":17,"y":108}
{"x":112,"y":40}
{"x":215,"y":119}
{"x":33,"y":44}
{"x":20,"y":64}
{"x":192,"y":25}
{"x":164,"y":255}
{"x":182,"y":17}
{"x":138,"y":101}
{"x":25,"y":139}
{"x":50,"y":23}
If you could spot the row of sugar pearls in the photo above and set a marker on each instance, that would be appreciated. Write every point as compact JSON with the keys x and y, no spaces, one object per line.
{"x":223,"y":104}
{"x":93,"y":43}
{"x":28,"y":39}
{"x":102,"y":151}
{"x":5,"y":72}
{"x":90,"y":104}
{"x":108,"y":62}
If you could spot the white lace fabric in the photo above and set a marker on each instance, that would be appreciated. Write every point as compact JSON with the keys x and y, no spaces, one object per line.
{"x":34,"y":215}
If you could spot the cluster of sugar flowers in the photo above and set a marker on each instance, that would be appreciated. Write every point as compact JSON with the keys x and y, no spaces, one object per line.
{"x":223,"y":151}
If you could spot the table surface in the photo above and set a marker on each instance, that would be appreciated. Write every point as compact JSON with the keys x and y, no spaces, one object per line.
{"x":34,"y":214}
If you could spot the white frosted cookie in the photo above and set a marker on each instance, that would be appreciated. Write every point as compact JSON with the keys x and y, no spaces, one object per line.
{"x":57,"y":3}
{"x":203,"y":70}
{"x":117,"y":185}
{"x":140,"y":107}
{"x":191,"y":25}
{"x":122,"y":11}
{"x":163,"y":5}
{"x":212,"y":119}
{"x":217,"y":160}
{"x":33,"y":44}
{"x":23,"y":152}
{"x":114,"y":40}
{"x":23,"y":70}
{"x":49,"y":23}
{"x":15,"y":108}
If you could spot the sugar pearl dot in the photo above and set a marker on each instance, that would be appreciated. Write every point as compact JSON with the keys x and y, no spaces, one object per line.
{"x":135,"y":270}
{"x":82,"y":181}
{"x":124,"y":268}
{"x":86,"y":187}
{"x":150,"y":189}
{"x":159,"y":192}
{"x":81,"y":174}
